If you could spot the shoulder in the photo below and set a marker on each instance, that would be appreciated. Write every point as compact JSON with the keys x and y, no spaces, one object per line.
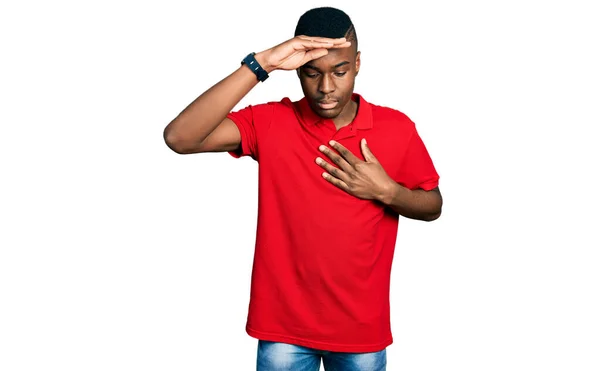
{"x":395,"y":118}
{"x":281,"y":109}
{"x":262,"y":115}
{"x":270,"y":106}
{"x":262,"y":111}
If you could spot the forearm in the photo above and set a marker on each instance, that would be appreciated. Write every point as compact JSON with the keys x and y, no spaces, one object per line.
{"x":205,"y":113}
{"x":414,"y":204}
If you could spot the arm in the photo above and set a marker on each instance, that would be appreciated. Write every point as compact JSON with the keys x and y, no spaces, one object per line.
{"x":188,"y":131}
{"x":202,"y":126}
{"x":415,"y":204}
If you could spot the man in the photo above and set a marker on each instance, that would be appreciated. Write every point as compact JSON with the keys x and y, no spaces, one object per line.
{"x":335,"y":173}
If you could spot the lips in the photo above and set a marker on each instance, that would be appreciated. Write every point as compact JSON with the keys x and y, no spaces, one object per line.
{"x":327,"y":104}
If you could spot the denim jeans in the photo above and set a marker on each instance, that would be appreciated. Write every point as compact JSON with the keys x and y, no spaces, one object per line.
{"x":273,"y":356}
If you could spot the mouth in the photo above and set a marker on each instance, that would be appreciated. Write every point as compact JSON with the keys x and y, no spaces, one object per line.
{"x":327,"y":104}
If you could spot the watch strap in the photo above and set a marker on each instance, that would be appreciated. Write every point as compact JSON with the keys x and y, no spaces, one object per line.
{"x":255,"y":67}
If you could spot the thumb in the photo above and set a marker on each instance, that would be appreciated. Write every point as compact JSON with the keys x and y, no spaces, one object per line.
{"x":367,"y":151}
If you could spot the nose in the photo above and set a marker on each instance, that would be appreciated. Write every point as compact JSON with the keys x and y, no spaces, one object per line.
{"x":326,"y":84}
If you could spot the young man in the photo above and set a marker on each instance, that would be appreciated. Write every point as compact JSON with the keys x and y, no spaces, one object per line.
{"x":329,"y":201}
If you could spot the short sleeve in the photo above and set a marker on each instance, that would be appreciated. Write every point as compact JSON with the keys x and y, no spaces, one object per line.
{"x":252,"y":121}
{"x":417,"y":169}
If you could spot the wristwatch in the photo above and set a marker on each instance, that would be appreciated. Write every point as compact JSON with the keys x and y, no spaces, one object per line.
{"x":255,"y":67}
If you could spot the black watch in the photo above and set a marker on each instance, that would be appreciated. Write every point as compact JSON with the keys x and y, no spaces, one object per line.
{"x":255,"y":67}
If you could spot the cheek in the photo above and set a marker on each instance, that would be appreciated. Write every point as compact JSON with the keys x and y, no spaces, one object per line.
{"x":307,"y":83}
{"x":347,"y":87}
{"x":306,"y":87}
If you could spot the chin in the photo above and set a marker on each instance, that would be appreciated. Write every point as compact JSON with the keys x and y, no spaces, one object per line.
{"x":330,"y":114}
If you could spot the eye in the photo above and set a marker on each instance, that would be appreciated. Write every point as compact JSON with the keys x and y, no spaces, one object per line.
{"x":311,"y":75}
{"x":340,"y":74}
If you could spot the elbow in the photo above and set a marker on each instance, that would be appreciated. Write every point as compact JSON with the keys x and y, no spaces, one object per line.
{"x":437,"y":208}
{"x":432,"y":217}
{"x":434,"y":212}
{"x":425,"y":216}
{"x":174,"y":142}
{"x":182,"y":141}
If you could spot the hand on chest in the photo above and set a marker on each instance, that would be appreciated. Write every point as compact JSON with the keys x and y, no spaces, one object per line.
{"x":329,"y":159}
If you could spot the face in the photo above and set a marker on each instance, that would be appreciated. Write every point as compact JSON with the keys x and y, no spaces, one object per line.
{"x":328,"y":82}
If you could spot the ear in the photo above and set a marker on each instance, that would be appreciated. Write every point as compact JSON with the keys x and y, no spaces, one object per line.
{"x":357,"y":62}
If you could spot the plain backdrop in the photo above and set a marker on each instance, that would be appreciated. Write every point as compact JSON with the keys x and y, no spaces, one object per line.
{"x":119,"y":254}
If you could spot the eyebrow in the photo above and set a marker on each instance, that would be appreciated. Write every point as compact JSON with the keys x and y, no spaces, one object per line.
{"x":316,"y":69}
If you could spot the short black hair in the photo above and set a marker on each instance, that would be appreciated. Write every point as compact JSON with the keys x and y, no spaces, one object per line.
{"x":327,"y":22}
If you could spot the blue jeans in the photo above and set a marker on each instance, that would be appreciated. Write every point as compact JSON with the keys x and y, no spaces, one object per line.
{"x":273,"y":356}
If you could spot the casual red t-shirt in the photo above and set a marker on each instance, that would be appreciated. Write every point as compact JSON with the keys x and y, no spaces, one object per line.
{"x":322,"y":262}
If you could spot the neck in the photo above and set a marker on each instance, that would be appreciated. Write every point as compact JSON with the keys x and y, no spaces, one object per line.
{"x":347,"y":115}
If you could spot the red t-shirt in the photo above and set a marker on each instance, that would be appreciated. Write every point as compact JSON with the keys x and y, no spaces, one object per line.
{"x":322,"y":262}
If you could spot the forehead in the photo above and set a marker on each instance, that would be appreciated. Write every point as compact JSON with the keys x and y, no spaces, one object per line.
{"x":334,"y":57}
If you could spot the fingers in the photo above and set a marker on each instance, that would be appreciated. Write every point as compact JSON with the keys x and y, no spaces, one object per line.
{"x":314,"y":54}
{"x":332,"y":170}
{"x":334,"y":175}
{"x":312,"y":44}
{"x":322,"y":42}
{"x":319,"y":51}
{"x":337,"y":41}
{"x":346,"y":154}
{"x":337,"y":159}
{"x":337,"y":182}
{"x":344,"y":45}
{"x":367,"y":153}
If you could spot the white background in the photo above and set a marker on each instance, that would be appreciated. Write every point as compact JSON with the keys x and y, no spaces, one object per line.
{"x":119,"y":254}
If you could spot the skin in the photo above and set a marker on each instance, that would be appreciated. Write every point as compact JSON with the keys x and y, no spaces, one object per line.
{"x":332,"y":77}
{"x":327,"y":69}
